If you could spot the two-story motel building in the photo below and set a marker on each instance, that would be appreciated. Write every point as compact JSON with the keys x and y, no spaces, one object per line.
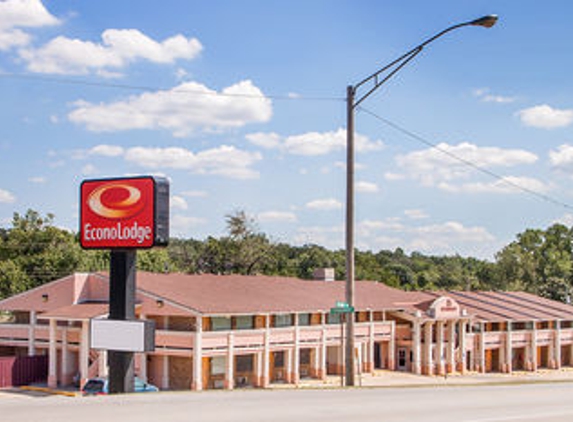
{"x":229,"y":331}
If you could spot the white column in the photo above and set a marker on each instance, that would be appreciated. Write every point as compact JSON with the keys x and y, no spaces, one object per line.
{"x":102,"y":363}
{"x":450,"y":350}
{"x":323,"y":349}
{"x":67,"y":375}
{"x":462,"y":347}
{"x":392,"y":347}
{"x":259,"y":368}
{"x":197,"y":384}
{"x":165,"y":361}
{"x":296,"y":352}
{"x":481,"y":355}
{"x":533,"y":347}
{"x":142,"y":357}
{"x":557,"y":351}
{"x":316,"y":368}
{"x":230,"y":373}
{"x":84,"y":352}
{"x":32,"y":333}
{"x":428,"y":363}
{"x":509,"y":349}
{"x":370,"y":352}
{"x":165,"y":373}
{"x":440,"y":358}
{"x":142,"y":374}
{"x":267,"y":353}
{"x":416,"y":348}
{"x":288,"y":360}
{"x":53,"y":356}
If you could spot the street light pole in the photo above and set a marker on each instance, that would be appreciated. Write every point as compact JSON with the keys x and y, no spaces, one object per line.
{"x":352,"y":101}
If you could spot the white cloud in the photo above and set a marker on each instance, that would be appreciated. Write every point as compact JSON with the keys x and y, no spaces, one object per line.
{"x":438,"y":167}
{"x":180,"y":225}
{"x":506,"y":185}
{"x":566,"y":219}
{"x":324,"y":204}
{"x":21,"y":14}
{"x":223,"y":161}
{"x":394,"y":176}
{"x":562,"y":158}
{"x":366,"y":187}
{"x":89,"y":170}
{"x":6,"y":197}
{"x":178,"y":203}
{"x":37,"y":179}
{"x":276,"y":216}
{"x":545,"y":117}
{"x":107,"y":150}
{"x":440,"y":238}
{"x":194,"y":194}
{"x":182,"y":110}
{"x":329,"y":237}
{"x":416,"y":214}
{"x":264,"y":140}
{"x":485,"y":96}
{"x":119,"y":48}
{"x":313,"y":143}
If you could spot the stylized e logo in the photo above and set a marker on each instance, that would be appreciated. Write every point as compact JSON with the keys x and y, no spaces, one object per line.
{"x":116,"y":200}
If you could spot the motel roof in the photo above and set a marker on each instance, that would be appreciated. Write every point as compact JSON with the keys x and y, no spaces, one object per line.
{"x":83,"y":296}
{"x":239,"y":294}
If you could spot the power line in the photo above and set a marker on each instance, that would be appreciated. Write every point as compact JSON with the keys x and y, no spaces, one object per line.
{"x":146,"y":88}
{"x":466,"y":162}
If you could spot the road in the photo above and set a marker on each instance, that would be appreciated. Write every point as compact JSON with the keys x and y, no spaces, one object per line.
{"x":527,"y":403}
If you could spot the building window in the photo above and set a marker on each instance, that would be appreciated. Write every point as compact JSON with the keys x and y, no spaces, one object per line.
{"x":218,"y":365}
{"x":244,"y":363}
{"x":220,"y":323}
{"x":303,"y":319}
{"x":304,"y":356}
{"x":245,"y":322}
{"x":279,"y":359}
{"x":333,"y":318}
{"x":283,"y":320}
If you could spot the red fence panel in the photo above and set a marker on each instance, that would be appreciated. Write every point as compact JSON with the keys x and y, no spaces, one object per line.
{"x":16,"y":371}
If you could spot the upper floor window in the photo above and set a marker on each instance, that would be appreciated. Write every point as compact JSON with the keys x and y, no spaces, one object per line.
{"x":220,"y":323}
{"x":303,"y":319}
{"x":244,"y":322}
{"x":283,"y":320}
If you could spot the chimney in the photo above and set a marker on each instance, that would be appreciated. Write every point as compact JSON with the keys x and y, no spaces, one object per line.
{"x":324,"y":274}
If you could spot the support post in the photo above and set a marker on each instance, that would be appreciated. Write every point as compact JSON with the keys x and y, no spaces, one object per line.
{"x":32,"y":333}
{"x":349,"y":359}
{"x":198,"y":355}
{"x":53,"y":356}
{"x":121,"y":307}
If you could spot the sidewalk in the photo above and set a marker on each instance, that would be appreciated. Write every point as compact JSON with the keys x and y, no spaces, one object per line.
{"x":381,"y":378}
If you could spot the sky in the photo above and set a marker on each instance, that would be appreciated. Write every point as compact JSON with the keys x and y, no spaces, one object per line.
{"x":241,"y":105}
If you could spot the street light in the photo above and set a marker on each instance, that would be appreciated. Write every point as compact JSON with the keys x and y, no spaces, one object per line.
{"x":352,"y":101}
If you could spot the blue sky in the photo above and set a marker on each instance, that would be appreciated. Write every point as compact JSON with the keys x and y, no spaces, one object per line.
{"x":241,"y":105}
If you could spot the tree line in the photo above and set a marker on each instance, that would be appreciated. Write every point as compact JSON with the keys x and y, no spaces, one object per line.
{"x":33,"y":251}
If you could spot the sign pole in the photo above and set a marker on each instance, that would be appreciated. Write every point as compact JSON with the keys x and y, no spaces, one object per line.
{"x":342,"y":348}
{"x":121,"y":307}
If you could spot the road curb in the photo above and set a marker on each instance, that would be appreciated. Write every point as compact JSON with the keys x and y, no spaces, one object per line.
{"x":49,"y":391}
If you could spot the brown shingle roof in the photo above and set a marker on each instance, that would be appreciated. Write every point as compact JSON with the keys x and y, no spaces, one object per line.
{"x":236,"y":294}
{"x":82,"y":311}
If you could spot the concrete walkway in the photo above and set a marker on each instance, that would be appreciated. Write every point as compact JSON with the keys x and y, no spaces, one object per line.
{"x":379,"y":379}
{"x":382,"y":378}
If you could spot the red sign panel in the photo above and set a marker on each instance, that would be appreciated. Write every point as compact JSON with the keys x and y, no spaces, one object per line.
{"x":117,"y":213}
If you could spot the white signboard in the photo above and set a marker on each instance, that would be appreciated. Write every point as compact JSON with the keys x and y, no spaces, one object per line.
{"x":122,"y":336}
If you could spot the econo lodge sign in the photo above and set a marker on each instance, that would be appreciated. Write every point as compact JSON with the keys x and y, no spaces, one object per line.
{"x":124,"y":213}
